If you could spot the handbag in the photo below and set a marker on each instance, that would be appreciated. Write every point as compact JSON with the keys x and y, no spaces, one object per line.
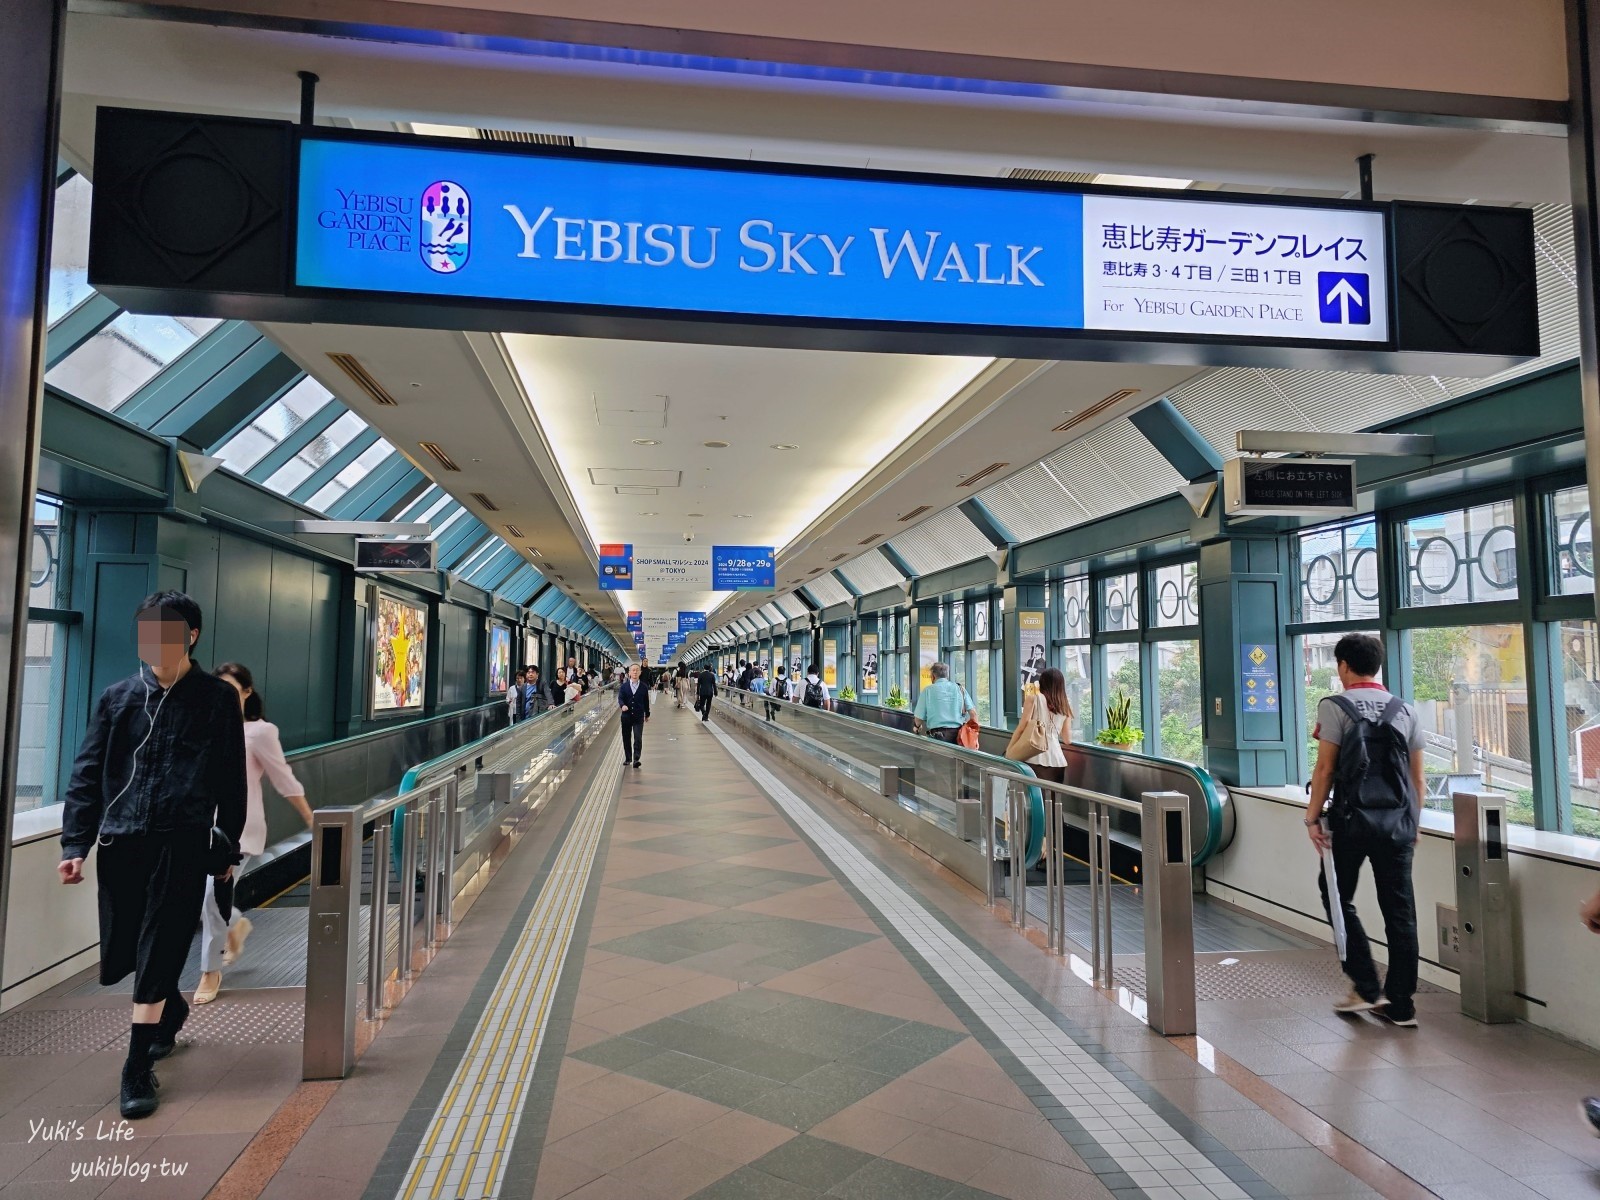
{"x":967,"y":735}
{"x":221,"y":852}
{"x":1029,"y":739}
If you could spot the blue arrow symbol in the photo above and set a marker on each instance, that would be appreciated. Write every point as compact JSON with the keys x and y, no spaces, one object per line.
{"x":1344,"y":294}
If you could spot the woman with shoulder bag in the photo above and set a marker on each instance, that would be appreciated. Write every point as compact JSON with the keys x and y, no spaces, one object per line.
{"x":1037,"y":740}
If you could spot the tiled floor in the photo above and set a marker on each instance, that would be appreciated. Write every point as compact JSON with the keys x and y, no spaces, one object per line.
{"x":710,"y":979}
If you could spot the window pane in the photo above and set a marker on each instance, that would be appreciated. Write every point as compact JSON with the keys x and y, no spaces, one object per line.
{"x":371,"y":458}
{"x":1080,"y":690}
{"x":1122,"y":678}
{"x":980,"y":622}
{"x":1470,"y":690}
{"x":1462,"y":556}
{"x":69,"y":248}
{"x":1179,"y":700}
{"x":1119,"y":601}
{"x":290,"y":411}
{"x":1580,"y":691}
{"x":958,"y":669}
{"x":982,"y":685}
{"x":316,"y":455}
{"x":124,"y":356}
{"x":1075,"y":607}
{"x":43,"y":678}
{"x":1177,"y":595}
{"x":1572,"y":542}
{"x":44,"y":590}
{"x":1319,"y":677}
{"x":1339,"y":572}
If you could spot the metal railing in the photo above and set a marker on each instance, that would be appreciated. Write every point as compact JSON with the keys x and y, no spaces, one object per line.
{"x":440,"y":830}
{"x":1167,"y":882}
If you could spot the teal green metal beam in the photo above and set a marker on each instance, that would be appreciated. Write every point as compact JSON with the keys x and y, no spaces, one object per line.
{"x":309,"y":431}
{"x":328,"y":471}
{"x":77,"y":327}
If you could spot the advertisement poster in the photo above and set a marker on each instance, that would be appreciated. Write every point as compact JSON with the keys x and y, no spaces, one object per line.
{"x":869,"y":664}
{"x":927,"y":652}
{"x":499,"y":659}
{"x":830,"y":663}
{"x":1031,"y":642}
{"x":399,"y":654}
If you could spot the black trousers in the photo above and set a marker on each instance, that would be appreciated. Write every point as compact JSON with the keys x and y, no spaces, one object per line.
{"x":702,"y":705}
{"x":632,"y":737}
{"x":947,"y":734}
{"x":1391,"y":876}
{"x":151,"y":889}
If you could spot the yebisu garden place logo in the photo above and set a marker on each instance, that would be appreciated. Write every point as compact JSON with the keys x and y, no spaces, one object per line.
{"x":446,"y":227}
{"x":435,"y":224}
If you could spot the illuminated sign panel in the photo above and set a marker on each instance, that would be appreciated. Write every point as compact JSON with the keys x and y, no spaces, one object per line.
{"x":426,"y":219}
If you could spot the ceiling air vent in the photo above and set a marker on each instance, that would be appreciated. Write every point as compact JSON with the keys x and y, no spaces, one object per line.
{"x":363,"y":379}
{"x":1094,"y":410}
{"x":982,"y":473}
{"x":868,"y":540}
{"x":485,"y":502}
{"x":839,"y":558}
{"x":533,"y":551}
{"x":1040,"y":175}
{"x":916,"y":512}
{"x":524,"y":138}
{"x":513,"y":531}
{"x":439,"y":456}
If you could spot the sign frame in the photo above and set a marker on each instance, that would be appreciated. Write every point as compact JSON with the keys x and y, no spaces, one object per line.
{"x":1235,"y":484}
{"x":930,"y":332}
{"x":426,"y":560}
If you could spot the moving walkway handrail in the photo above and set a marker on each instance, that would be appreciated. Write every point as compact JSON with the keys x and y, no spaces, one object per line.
{"x":981,"y":759}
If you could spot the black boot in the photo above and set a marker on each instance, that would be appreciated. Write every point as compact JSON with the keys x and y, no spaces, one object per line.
{"x":138,"y":1080}
{"x":173,"y":1015}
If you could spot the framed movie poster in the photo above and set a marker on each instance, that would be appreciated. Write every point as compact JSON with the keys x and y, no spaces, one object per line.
{"x":499,"y":659}
{"x":399,"y":653}
{"x":869,"y":664}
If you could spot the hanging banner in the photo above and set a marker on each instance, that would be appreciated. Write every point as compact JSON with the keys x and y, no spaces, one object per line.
{"x":635,"y":619}
{"x":626,"y":567}
{"x":830,"y":663}
{"x":927,"y":652}
{"x":691,"y":622}
{"x":869,"y":664}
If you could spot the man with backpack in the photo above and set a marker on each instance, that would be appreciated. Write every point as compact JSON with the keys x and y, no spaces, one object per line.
{"x":1369,"y":759}
{"x":816,"y":692}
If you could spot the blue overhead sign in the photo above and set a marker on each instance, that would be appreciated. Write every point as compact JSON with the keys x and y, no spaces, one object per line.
{"x":691,"y":622}
{"x":743,"y":568}
{"x":426,"y":218}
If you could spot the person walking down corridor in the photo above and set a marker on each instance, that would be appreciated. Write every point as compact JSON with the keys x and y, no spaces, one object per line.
{"x":633,"y":698}
{"x":1369,"y":762}
{"x":705,"y":691}
{"x":223,"y":927}
{"x":159,"y":789}
{"x":942,"y":706}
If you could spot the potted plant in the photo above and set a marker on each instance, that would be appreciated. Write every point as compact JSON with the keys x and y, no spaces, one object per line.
{"x":895,"y":699}
{"x":847,"y":693}
{"x":1118,"y":733}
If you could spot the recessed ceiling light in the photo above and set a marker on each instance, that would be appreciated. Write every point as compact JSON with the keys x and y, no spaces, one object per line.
{"x":742,"y":516}
{"x":714,"y":445}
{"x":646,"y":442}
{"x":650,"y":514}
{"x":784,"y":446}
{"x":695,"y":514}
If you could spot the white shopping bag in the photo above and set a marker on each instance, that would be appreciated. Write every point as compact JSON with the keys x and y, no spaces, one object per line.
{"x":1335,"y":906}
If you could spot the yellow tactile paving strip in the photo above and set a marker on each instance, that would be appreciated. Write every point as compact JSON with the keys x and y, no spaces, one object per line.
{"x":463,"y":1154}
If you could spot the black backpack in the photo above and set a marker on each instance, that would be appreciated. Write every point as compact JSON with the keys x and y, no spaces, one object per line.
{"x":1372,"y":792}
{"x":813,"y":695}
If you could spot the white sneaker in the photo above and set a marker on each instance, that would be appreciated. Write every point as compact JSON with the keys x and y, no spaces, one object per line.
{"x":1353,"y":1003}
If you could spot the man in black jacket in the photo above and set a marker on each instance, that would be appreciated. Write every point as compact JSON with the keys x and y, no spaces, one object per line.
{"x":162,"y":764}
{"x":705,"y":689}
{"x":633,"y":697}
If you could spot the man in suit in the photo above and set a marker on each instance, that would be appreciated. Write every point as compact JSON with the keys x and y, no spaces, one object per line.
{"x":705,"y":689}
{"x":633,"y":697}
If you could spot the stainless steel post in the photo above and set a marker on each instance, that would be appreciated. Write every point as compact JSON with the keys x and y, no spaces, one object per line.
{"x":1094,"y":891}
{"x":1017,"y":844}
{"x":1052,"y":926}
{"x":1106,"y":895}
{"x":378,"y":916}
{"x":986,"y":799}
{"x":455,"y":831}
{"x":408,"y":886}
{"x":1168,"y":880}
{"x":1483,"y":907}
{"x":329,"y":1039}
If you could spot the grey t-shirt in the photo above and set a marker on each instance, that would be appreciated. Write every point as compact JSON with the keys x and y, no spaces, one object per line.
{"x":1333,"y":722}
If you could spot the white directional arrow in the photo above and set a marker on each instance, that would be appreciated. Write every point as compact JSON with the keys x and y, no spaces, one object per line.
{"x":1344,"y":294}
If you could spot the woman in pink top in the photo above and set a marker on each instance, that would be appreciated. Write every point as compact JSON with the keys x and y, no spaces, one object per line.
{"x":223,"y":928}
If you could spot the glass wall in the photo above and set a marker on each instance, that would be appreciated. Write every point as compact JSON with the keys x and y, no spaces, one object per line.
{"x":1485,"y":607}
{"x":44,"y":670}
